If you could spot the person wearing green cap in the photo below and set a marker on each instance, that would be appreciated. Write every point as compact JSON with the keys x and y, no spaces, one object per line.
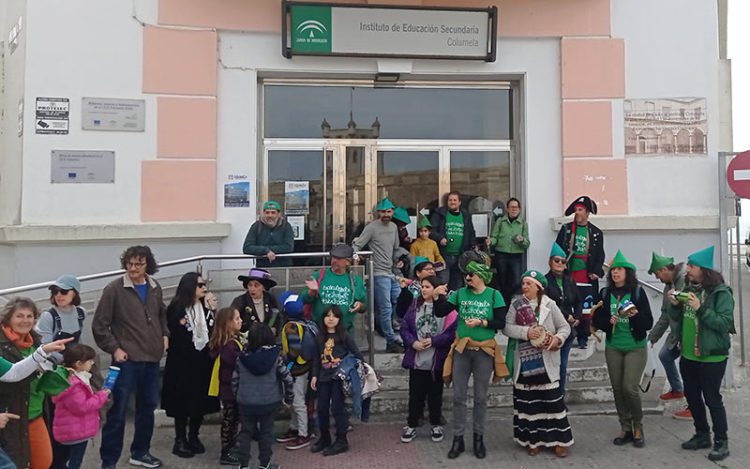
{"x":673,"y":277}
{"x":453,"y":231}
{"x":381,"y":236}
{"x":426,"y":247}
{"x":540,"y":418}
{"x":510,"y":239}
{"x":706,"y":320}
{"x":481,"y":313}
{"x":402,"y":219}
{"x":625,"y":316}
{"x":269,"y":236}
{"x":561,"y":288}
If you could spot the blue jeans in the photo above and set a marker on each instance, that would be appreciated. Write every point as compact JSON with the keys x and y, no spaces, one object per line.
{"x":564,"y":354}
{"x":141,"y":378}
{"x":5,"y":461}
{"x":667,"y":357}
{"x":387,"y":290}
{"x":76,"y":455}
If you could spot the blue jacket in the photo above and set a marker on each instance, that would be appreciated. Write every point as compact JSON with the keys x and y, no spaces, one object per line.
{"x":349,"y":371}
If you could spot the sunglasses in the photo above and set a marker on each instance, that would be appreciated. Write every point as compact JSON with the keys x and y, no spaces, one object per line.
{"x":557,"y":260}
{"x":470,"y":274}
{"x":60,"y":291}
{"x":201,"y":285}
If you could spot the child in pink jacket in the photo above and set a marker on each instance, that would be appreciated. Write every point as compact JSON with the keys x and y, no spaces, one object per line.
{"x":77,"y":408}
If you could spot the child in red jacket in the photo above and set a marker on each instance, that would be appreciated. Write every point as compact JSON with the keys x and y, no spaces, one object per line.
{"x":77,"y":408}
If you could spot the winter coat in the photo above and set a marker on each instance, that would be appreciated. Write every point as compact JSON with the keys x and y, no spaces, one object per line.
{"x":441,"y":342}
{"x":438,"y":229}
{"x":716,"y":318}
{"x":228,"y":361}
{"x":596,"y":246}
{"x":665,"y":320}
{"x":261,"y":239}
{"x":245,"y":305}
{"x":567,"y":299}
{"x":504,"y":235}
{"x":552,"y":319}
{"x":262,"y":381}
{"x":639,"y":324}
{"x":77,"y":411}
{"x":187,"y":372}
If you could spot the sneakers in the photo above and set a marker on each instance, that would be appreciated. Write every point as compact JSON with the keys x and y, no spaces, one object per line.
{"x":698,"y":441}
{"x":720,"y":451}
{"x":683,"y":414}
{"x":437,"y":433}
{"x":408,"y":435}
{"x":339,"y":446}
{"x":299,"y":443}
{"x":394,"y":347}
{"x":145,"y":461}
{"x":270,"y":465}
{"x":287,"y":437}
{"x":668,"y":396}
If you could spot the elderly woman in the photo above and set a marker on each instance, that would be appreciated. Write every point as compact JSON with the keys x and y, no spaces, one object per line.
{"x":537,"y":330}
{"x":481,"y":313}
{"x":625,"y":316}
{"x":187,"y":372}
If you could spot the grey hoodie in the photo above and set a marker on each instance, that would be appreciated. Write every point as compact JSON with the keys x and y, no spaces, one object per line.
{"x":261,"y":381}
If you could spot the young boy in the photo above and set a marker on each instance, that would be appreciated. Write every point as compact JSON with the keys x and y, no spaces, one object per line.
{"x":426,"y":247}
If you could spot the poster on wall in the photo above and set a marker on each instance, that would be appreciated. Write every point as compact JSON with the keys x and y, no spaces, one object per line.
{"x":52,"y":115}
{"x":124,"y":115}
{"x":297,"y":197}
{"x":666,"y":126}
{"x":82,"y":166}
{"x":237,"y":191}
{"x":297,"y":222}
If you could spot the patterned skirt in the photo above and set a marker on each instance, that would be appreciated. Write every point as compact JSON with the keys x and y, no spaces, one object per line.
{"x":540,"y":418}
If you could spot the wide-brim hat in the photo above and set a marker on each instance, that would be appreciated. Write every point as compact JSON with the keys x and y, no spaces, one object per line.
{"x":259,"y":275}
{"x":582,"y":200}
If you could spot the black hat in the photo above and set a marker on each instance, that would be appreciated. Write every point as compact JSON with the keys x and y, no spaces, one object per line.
{"x":260,"y":275}
{"x":342,"y":251}
{"x":582,"y":200}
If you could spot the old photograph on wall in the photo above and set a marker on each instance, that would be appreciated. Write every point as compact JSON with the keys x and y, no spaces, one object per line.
{"x":666,"y":126}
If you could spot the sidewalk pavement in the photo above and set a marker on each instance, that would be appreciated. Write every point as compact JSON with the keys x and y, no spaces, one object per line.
{"x":377,"y":445}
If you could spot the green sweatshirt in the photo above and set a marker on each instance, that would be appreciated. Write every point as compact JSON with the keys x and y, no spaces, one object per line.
{"x":50,"y":383}
{"x":504,"y":235}
{"x":336,"y":289}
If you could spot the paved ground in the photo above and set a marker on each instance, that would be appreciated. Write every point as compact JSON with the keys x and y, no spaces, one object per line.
{"x":377,"y":445}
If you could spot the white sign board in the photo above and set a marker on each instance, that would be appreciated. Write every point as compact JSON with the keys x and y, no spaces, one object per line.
{"x":125,"y":115}
{"x":82,"y":166}
{"x":52,"y":115}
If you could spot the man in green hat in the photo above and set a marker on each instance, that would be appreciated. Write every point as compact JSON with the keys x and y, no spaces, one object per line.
{"x":402,"y":219}
{"x":381,"y":236}
{"x":673,"y":277}
{"x":269,"y":236}
{"x":453,"y":231}
{"x":706,"y":319}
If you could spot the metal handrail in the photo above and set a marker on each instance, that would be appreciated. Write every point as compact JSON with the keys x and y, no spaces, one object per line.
{"x":186,"y":260}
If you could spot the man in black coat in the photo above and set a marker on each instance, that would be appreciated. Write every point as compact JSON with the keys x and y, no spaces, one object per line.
{"x":453,"y":231}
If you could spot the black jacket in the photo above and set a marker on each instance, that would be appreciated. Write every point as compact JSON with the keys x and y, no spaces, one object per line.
{"x":596,"y":246}
{"x":438,"y":229}
{"x":639,"y":324}
{"x":566,"y":299}
{"x":244,"y":304}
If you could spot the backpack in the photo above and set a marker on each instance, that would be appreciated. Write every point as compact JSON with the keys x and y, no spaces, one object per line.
{"x":57,"y":332}
{"x":298,"y":341}
{"x":213,"y":387}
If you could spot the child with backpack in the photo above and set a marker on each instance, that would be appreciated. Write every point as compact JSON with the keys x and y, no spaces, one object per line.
{"x":225,"y":346}
{"x":427,"y":340}
{"x":77,"y":408}
{"x":299,"y":348}
{"x":262,"y":382}
{"x":334,"y":343}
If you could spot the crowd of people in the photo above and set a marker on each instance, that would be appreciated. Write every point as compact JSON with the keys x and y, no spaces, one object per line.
{"x":437,"y":302}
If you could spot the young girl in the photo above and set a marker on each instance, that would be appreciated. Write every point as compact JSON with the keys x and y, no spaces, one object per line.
{"x":262,"y":382}
{"x":427,"y":340}
{"x":333,"y":344}
{"x":227,"y":343}
{"x":77,"y":408}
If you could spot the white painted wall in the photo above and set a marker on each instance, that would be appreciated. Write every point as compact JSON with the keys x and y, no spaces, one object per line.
{"x":671,"y":50}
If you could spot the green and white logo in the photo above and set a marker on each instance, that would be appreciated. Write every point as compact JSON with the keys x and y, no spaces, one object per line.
{"x":311,"y":28}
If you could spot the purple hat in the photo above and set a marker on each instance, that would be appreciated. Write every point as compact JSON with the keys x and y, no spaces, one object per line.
{"x":260,"y":275}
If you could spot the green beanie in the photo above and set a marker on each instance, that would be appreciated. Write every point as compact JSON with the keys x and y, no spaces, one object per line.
{"x":272,"y":205}
{"x":536,"y":277}
{"x":621,"y":261}
{"x":703,"y":258}
{"x":480,"y":270}
{"x":658,"y":261}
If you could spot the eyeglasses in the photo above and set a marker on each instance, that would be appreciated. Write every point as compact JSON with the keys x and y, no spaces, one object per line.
{"x":60,"y":291}
{"x":201,"y":285}
{"x":137,"y":265}
{"x":558,"y":260}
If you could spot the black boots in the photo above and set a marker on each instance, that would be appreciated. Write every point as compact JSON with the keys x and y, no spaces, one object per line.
{"x":195,"y":445}
{"x":323,"y":442}
{"x":623,"y":438}
{"x":698,"y":441}
{"x":341,"y":445}
{"x":228,"y":458}
{"x":457,"y":448}
{"x":639,"y":441}
{"x":720,"y":451}
{"x":181,"y":448}
{"x":479,"y":450}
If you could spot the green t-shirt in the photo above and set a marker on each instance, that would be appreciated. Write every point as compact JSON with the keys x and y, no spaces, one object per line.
{"x":454,"y":233}
{"x":5,"y":366}
{"x":336,"y":289}
{"x":473,"y":306}
{"x":622,"y":339}
{"x":690,"y":326}
{"x":579,"y":248}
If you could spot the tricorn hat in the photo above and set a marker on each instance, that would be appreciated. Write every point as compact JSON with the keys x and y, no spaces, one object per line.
{"x":584,"y":200}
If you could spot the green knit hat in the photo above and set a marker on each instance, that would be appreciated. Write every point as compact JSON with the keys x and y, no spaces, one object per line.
{"x":536,"y":277}
{"x":272,"y":205}
{"x":621,"y":261}
{"x":658,"y":261}
{"x":557,"y":251}
{"x":385,"y":204}
{"x":703,"y":258}
{"x":480,"y":270}
{"x":401,"y":215}
{"x":424,"y":222}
